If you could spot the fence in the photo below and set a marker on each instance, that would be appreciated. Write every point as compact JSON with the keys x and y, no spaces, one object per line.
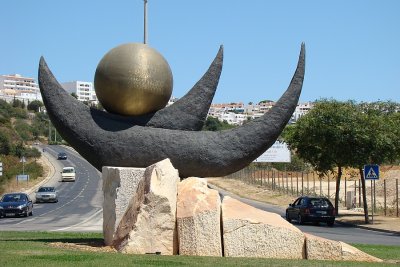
{"x":385,"y":192}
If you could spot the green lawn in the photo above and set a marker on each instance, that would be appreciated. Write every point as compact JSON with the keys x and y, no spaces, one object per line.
{"x":33,"y":249}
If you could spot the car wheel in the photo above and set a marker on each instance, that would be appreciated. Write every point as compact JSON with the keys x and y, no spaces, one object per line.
{"x":331,"y":223}
{"x":300,"y":219}
{"x":31,"y":213}
{"x":287,"y":217}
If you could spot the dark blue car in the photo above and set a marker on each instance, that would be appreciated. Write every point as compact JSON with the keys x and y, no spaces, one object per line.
{"x":311,"y":209}
{"x":16,"y":204}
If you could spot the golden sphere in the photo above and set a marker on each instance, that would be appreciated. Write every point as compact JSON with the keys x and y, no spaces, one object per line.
{"x":133,"y":79}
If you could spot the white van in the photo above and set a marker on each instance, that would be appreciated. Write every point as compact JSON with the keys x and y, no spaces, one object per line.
{"x":68,"y":174}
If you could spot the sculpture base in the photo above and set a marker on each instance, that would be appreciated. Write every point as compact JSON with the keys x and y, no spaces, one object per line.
{"x":151,"y":211}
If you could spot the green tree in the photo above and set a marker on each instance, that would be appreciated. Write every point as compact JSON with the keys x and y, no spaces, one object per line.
{"x":35,"y":105}
{"x":343,"y":134}
{"x":5,"y":144}
{"x":213,"y":124}
{"x":324,"y":137}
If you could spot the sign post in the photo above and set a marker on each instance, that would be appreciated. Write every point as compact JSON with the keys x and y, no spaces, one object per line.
{"x":371,"y":172}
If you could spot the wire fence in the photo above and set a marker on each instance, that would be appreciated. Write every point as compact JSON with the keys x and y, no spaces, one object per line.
{"x":382,"y":194}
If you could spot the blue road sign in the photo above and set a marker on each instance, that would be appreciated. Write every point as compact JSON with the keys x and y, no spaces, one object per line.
{"x":371,"y":172}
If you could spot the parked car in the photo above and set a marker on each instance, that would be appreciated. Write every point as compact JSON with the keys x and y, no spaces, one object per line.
{"x":311,"y":209}
{"x":46,"y":194}
{"x":68,"y":174}
{"x":62,"y":155}
{"x":16,"y":204}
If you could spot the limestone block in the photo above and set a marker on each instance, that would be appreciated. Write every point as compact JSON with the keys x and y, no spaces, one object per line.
{"x":198,"y":218}
{"x":250,"y":232}
{"x":119,"y":186}
{"x":155,"y":227}
{"x":318,"y":248}
{"x":350,"y":253}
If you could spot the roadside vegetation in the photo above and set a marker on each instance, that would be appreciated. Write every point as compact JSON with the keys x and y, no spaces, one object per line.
{"x":20,"y":127}
{"x":86,"y":249}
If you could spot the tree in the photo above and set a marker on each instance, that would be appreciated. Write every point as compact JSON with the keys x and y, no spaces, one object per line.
{"x":324,"y":137}
{"x":213,"y":124}
{"x":343,"y":134}
{"x":5,"y":144}
{"x":74,"y":95}
{"x":35,"y":105}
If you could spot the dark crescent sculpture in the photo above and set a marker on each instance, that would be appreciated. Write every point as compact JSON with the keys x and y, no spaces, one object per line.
{"x":105,"y":142}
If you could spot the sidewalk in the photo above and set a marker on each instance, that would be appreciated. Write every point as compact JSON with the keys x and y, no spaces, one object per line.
{"x":379,"y":223}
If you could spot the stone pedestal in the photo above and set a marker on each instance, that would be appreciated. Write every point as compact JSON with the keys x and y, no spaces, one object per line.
{"x":148,"y":220}
{"x":198,"y":219}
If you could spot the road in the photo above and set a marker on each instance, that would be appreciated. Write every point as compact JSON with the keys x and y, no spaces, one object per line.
{"x":80,"y":203}
{"x":80,"y":207}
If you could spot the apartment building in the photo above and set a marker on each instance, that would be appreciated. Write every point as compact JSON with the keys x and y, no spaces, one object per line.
{"x":83,"y":90}
{"x":237,"y":113}
{"x":19,"y":87}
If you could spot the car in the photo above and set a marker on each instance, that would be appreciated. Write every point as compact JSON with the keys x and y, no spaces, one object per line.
{"x":16,"y":204}
{"x":311,"y":209}
{"x":68,"y":174}
{"x":62,"y":155}
{"x":46,"y":194}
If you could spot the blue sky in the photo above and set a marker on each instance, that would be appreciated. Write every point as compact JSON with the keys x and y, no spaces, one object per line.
{"x":353,"y":47}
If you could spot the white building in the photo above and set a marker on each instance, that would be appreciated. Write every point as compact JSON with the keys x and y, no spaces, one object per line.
{"x":233,"y":118}
{"x":84,"y":91}
{"x":237,"y":114}
{"x":19,"y":87}
{"x":301,"y":110}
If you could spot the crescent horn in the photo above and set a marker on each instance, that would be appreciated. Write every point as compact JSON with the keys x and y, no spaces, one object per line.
{"x":188,"y":113}
{"x":200,"y":153}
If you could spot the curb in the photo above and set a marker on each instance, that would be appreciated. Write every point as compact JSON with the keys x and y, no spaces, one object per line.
{"x":368,"y":228}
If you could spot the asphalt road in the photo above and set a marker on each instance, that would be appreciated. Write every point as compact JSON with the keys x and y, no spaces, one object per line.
{"x":80,"y":207}
{"x":80,"y":203}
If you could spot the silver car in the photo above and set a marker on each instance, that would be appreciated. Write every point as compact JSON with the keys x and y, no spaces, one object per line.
{"x":46,"y":194}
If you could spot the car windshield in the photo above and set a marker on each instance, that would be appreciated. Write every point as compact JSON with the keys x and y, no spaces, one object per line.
{"x":68,"y":170}
{"x":319,"y":202}
{"x":14,"y":198}
{"x":46,"y":189}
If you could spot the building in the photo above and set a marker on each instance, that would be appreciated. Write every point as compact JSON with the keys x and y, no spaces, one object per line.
{"x":19,"y":87}
{"x":84,"y":91}
{"x":301,"y":110}
{"x":237,"y":113}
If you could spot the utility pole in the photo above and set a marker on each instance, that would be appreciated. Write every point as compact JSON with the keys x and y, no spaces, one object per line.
{"x":145,"y":22}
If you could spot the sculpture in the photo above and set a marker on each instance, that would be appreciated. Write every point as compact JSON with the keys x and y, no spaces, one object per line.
{"x":106,"y":139}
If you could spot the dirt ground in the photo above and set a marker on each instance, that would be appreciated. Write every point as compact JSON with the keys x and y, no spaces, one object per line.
{"x":254,"y":192}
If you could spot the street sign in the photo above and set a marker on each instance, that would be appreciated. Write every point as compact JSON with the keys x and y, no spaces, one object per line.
{"x":371,"y":172}
{"x":1,"y":168}
{"x":23,"y":160}
{"x":23,"y":177}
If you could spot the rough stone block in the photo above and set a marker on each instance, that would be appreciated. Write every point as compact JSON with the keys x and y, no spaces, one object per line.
{"x":120,"y":185}
{"x":155,"y":227}
{"x":198,"y":219}
{"x":350,"y":253}
{"x":250,"y":232}
{"x":318,"y":248}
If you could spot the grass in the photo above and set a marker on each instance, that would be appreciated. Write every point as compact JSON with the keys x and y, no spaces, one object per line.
{"x":34,"y":249}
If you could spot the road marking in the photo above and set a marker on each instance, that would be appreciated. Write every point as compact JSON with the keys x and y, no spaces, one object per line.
{"x":80,"y":223}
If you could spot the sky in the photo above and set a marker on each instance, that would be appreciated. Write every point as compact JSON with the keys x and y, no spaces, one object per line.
{"x":352,"y":47}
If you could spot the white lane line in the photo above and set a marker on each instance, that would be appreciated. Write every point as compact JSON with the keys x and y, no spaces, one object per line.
{"x":80,"y":223}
